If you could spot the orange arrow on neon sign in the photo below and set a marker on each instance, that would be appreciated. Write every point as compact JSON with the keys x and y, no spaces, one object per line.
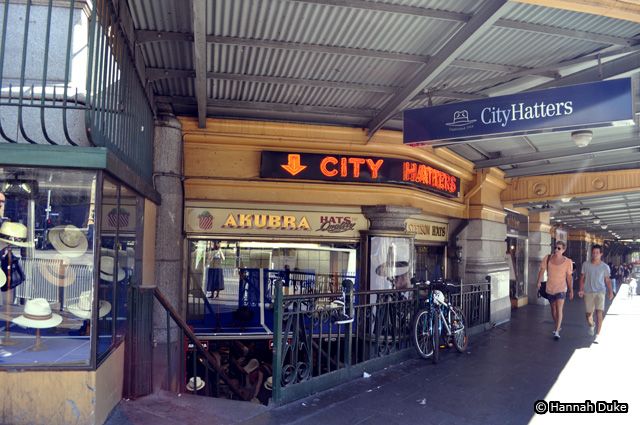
{"x":293,"y":167}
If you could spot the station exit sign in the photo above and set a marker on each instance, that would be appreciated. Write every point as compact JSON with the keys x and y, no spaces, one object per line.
{"x":358,"y":169}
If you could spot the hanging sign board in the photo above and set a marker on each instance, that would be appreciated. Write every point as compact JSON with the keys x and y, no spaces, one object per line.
{"x":517,"y":224}
{"x":598,"y":104}
{"x":358,"y":169}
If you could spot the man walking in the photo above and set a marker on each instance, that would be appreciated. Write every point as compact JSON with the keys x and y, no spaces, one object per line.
{"x":595,"y":275}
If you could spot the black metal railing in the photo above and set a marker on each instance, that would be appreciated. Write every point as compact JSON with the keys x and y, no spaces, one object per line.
{"x":201,"y":360}
{"x":87,"y":93}
{"x":475,"y":302}
{"x":310,"y":342}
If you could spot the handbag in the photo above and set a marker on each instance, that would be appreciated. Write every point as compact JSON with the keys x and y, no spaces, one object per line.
{"x":542,"y":292}
{"x":17,"y":275}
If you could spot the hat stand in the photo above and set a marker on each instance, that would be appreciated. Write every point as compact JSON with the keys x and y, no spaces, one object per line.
{"x":7,"y":341}
{"x":38,"y":346}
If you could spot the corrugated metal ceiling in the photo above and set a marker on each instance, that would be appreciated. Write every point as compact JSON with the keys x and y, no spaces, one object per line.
{"x":239,"y":65}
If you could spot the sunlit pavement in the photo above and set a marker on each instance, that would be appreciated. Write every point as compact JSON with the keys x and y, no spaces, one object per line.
{"x":498,"y":381}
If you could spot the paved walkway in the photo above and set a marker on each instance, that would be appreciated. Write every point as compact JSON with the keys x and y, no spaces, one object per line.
{"x":497,"y":381}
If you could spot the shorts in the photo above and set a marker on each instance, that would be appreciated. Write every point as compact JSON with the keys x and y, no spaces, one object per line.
{"x":594,"y":300}
{"x":555,"y":297}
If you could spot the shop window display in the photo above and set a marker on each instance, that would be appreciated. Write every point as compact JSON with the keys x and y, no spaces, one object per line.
{"x":46,"y":246}
{"x":56,"y":277}
{"x":232,"y":282}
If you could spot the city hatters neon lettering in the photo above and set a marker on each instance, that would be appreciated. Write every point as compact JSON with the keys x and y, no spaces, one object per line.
{"x":520,"y":111}
{"x":330,"y":166}
{"x":266,"y":221}
{"x":423,"y":174}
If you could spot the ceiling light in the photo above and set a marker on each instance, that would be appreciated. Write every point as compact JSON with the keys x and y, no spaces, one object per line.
{"x":566,"y":199}
{"x":582,"y":138}
{"x":604,"y":226}
{"x":584,"y":211}
{"x":596,"y":221}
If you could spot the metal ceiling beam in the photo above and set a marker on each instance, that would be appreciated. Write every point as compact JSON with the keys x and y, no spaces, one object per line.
{"x":450,"y":95}
{"x":492,"y":82}
{"x":200,"y":58}
{"x":560,"y":153}
{"x":568,"y":166}
{"x":160,"y":74}
{"x":602,"y":71}
{"x":392,"y":8}
{"x":489,"y":13}
{"x":568,"y":33}
{"x":268,"y":106}
{"x":145,"y":36}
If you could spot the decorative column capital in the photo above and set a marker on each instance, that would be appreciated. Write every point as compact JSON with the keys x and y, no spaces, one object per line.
{"x":388,"y":217}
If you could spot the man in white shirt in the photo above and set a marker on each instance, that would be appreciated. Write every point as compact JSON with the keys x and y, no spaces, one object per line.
{"x":595,"y":275}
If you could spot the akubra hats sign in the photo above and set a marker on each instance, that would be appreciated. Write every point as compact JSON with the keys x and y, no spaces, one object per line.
{"x":14,"y":234}
{"x":68,"y":240}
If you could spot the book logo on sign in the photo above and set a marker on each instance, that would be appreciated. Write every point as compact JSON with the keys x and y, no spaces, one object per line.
{"x":460,"y":121}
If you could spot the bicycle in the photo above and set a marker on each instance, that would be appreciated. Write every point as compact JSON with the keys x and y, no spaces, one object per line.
{"x":438,"y":321}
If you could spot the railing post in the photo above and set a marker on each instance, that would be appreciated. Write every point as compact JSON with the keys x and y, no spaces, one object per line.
{"x":349,"y":335}
{"x":278,"y":342}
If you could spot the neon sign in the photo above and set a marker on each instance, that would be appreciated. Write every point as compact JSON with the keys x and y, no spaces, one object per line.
{"x":357,"y":169}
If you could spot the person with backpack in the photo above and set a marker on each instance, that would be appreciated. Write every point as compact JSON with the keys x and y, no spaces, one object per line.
{"x":559,"y":271}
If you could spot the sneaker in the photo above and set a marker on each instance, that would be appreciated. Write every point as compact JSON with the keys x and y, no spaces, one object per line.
{"x":595,"y":340}
{"x":592,"y":330}
{"x":556,"y":334}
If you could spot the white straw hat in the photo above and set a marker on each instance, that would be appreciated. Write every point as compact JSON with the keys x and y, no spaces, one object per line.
{"x":14,"y":234}
{"x":82,"y":308}
{"x":58,"y":273}
{"x":107,"y":264}
{"x":68,"y":240}
{"x":198,"y":386}
{"x":37,"y":314}
{"x":3,"y":278}
{"x":268,"y":384}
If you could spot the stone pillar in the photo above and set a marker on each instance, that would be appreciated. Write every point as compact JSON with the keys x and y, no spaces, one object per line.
{"x":483,"y":242}
{"x":167,"y":165}
{"x":539,"y":246}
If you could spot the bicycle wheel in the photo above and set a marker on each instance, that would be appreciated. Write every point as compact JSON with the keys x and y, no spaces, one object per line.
{"x":436,"y":335}
{"x":459,"y":330}
{"x":422,"y":333}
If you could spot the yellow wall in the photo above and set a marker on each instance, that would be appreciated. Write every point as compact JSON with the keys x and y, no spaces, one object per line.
{"x":222,"y":163}
{"x":64,"y":397}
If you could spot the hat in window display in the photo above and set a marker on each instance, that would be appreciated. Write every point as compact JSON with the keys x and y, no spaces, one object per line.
{"x":107,"y":265}
{"x":68,"y":240}
{"x":82,"y":308}
{"x":57,"y":272}
{"x":195,"y":384}
{"x":394,"y":268}
{"x":3,"y":278}
{"x":14,"y":234}
{"x":37,"y":314}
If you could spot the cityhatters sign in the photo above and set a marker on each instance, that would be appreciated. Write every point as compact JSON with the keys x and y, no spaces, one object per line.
{"x":358,"y":169}
{"x":254,"y":221}
{"x":597,"y":104}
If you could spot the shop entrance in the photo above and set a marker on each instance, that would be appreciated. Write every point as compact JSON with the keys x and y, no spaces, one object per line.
{"x":230,"y":300}
{"x":430,"y":262}
{"x":516,"y":256}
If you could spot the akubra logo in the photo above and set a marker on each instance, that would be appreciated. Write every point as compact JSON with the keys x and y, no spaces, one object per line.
{"x":460,"y":119}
